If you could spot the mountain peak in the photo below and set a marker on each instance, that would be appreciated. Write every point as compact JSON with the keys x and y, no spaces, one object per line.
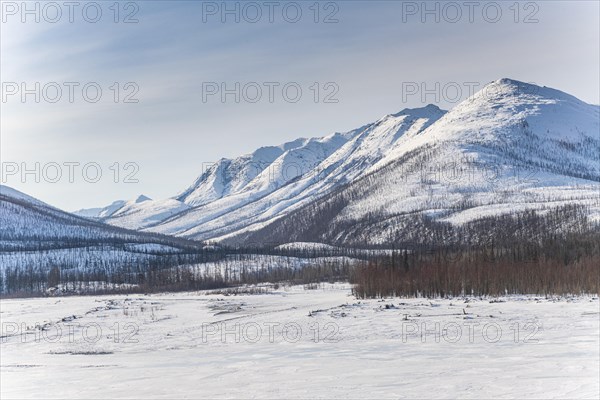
{"x":141,"y":198}
{"x":508,"y":86}
{"x":515,"y":94}
{"x":513,"y":87}
{"x":421,"y":112}
{"x":509,"y":81}
{"x":428,"y":107}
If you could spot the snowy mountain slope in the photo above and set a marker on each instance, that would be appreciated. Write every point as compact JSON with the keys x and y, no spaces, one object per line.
{"x":511,"y":147}
{"x":36,"y":239}
{"x":15,"y":194}
{"x":504,"y":112}
{"x":230,"y":184}
{"x":139,"y":214}
{"x":100,"y":212}
{"x":273,"y":193}
{"x":111,"y":209}
{"x":136,"y":213}
{"x":228,"y":176}
{"x":264,"y":168}
{"x":27,"y":223}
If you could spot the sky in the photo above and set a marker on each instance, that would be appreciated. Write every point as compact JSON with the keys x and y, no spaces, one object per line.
{"x":101,"y":103}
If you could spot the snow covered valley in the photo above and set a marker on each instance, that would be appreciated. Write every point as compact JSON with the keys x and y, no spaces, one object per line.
{"x":314,"y":341}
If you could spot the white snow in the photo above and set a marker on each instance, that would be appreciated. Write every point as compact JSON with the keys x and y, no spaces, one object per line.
{"x":517,"y":140}
{"x":297,"y":343}
{"x":275,"y":192}
{"x":15,"y":194}
{"x":307,"y":246}
{"x":136,"y":214}
{"x":100,"y":212}
{"x":503,"y":150}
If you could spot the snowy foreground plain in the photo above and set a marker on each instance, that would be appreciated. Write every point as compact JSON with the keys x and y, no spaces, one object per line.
{"x":299,"y":343}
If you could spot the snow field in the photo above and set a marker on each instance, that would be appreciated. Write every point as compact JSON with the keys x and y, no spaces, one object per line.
{"x":299,"y":343}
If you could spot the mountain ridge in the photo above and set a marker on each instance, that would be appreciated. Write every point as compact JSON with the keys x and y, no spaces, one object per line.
{"x":512,"y":158}
{"x":506,"y":127}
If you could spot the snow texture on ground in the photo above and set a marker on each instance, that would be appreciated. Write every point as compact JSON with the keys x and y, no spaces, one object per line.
{"x":298,"y":342}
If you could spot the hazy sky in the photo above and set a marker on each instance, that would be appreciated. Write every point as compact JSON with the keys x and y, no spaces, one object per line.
{"x":179,"y":51}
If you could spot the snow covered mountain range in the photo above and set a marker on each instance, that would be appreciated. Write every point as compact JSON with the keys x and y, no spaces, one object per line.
{"x":510,"y":147}
{"x":253,"y":189}
{"x":29,"y":224}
